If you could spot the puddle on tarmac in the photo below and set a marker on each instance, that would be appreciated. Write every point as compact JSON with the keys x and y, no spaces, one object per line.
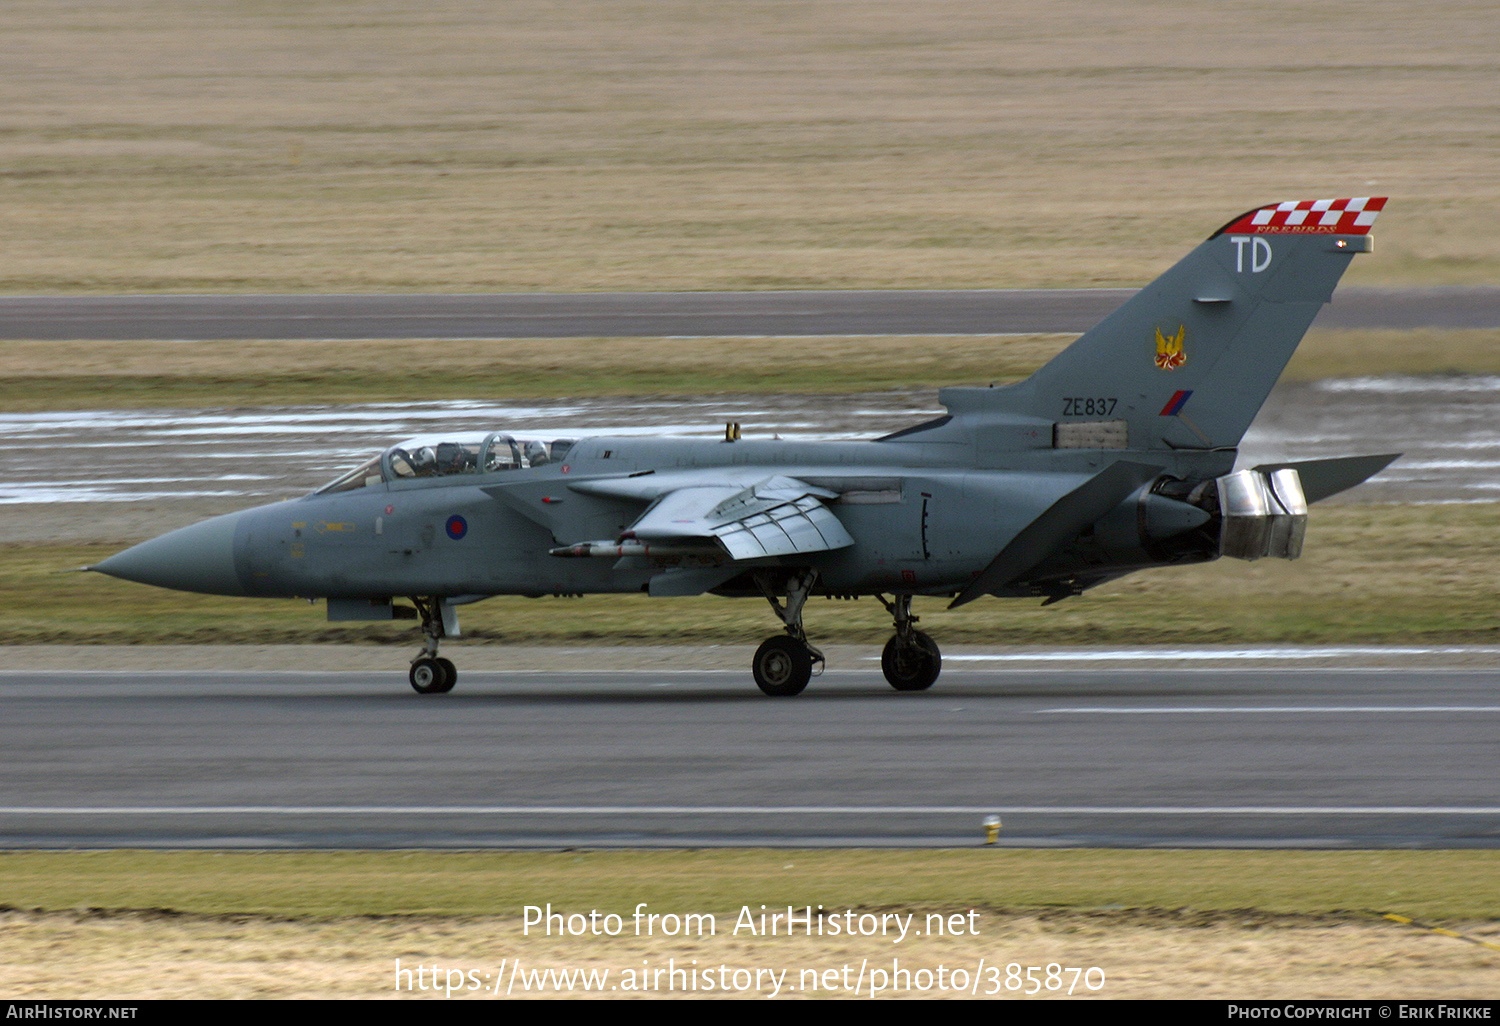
{"x":1447,"y":427}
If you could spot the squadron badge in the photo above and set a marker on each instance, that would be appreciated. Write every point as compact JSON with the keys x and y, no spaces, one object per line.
{"x":1169,"y":352}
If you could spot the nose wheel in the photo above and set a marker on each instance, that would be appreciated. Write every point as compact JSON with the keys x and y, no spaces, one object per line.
{"x":431,"y":674}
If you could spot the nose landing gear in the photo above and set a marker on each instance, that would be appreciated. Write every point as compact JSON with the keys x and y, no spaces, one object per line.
{"x":911,"y":660}
{"x":431,"y":674}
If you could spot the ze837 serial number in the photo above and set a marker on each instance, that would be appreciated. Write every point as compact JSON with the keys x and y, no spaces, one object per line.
{"x":1084,"y":407}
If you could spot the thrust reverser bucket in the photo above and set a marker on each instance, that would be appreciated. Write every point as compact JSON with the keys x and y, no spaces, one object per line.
{"x":1262,"y":515}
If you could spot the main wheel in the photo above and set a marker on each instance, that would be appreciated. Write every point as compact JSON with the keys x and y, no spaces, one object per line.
{"x":782,"y":666}
{"x":450,"y":673}
{"x":913,"y":665}
{"x":431,"y":677}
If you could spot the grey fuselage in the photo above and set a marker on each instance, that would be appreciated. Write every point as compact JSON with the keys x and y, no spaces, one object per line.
{"x":926,"y":517}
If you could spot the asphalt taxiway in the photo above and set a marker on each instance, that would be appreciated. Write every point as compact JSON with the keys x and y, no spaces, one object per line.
{"x":1135,"y":754}
{"x":655,"y":314}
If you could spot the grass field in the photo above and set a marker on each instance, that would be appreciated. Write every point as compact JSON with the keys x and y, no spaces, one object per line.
{"x":122,"y":375}
{"x":1151,"y":924}
{"x":1450,"y":885}
{"x":1384,"y":574}
{"x":462,"y":145}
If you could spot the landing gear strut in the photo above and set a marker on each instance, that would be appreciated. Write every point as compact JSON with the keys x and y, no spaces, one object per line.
{"x":430,"y":673}
{"x":911,"y":660}
{"x":784,"y":664}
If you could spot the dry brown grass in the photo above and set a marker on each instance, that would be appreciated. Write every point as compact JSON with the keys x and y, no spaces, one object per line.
{"x":733,"y":359}
{"x":1243,"y":924}
{"x":192,"y":374}
{"x":462,"y":145}
{"x":1355,"y":354}
{"x":127,"y":957}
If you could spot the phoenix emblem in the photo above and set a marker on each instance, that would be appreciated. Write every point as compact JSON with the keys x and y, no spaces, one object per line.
{"x":1169,"y":352}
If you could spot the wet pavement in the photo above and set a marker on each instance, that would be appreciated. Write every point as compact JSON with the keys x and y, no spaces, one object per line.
{"x":115,"y":474}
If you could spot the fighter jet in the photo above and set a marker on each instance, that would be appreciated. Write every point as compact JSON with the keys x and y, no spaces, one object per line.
{"x":1116,"y":456}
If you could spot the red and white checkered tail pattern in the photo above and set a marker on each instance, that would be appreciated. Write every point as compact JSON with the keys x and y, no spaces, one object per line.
{"x":1311,"y":217}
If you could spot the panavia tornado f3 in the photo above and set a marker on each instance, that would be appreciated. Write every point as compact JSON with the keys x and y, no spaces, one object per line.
{"x":1116,"y":456}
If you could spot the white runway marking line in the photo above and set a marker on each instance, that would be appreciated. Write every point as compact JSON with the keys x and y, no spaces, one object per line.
{"x":749,"y":810}
{"x":1201,"y":654}
{"x":1122,"y":710}
{"x":361,"y":674}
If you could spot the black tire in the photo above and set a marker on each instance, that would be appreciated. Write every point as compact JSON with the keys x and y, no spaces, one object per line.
{"x":450,"y":674}
{"x":428,"y":677}
{"x":913,"y":666}
{"x":782,"y":666}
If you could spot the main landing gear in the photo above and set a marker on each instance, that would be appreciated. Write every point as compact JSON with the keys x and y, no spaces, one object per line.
{"x":430,"y":673}
{"x":784,"y":664}
{"x":911,"y":660}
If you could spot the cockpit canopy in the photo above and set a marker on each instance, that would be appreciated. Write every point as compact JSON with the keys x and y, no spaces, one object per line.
{"x":444,"y":455}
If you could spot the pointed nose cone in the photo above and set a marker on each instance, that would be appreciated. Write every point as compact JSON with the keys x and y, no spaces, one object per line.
{"x":197,"y":558}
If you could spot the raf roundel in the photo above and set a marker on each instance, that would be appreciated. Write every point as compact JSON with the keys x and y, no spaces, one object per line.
{"x":457,"y":527}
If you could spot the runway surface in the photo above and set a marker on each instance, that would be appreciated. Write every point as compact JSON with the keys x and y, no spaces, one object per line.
{"x":647,"y":314}
{"x":1213,"y":756}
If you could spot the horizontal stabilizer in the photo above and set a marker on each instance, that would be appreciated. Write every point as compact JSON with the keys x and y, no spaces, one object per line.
{"x":1063,"y":521}
{"x":1322,"y":478}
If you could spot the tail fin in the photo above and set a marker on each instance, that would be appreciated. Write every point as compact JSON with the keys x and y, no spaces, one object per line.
{"x":1187,"y":362}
